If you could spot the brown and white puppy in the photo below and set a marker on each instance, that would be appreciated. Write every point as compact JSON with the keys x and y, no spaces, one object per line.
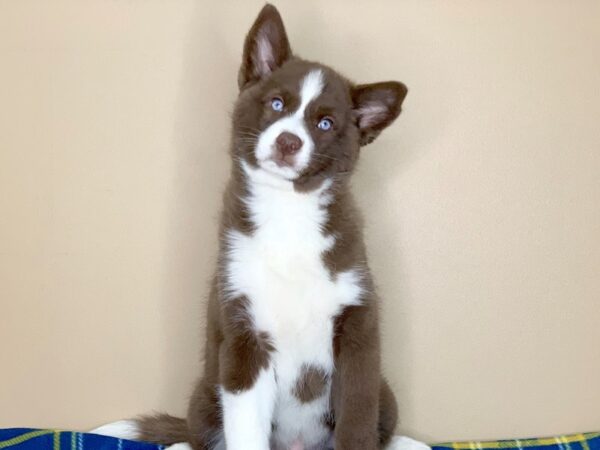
{"x":293,"y":351}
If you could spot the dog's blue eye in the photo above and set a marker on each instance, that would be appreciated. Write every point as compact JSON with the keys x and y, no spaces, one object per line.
{"x":277,"y":104}
{"x":325,"y":124}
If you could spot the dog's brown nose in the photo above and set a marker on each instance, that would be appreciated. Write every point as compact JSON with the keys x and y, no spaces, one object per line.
{"x":288,"y":143}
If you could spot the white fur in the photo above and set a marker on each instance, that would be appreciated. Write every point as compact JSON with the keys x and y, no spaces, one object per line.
{"x":311,"y":88}
{"x":279,"y":268}
{"x":180,"y":446}
{"x":406,"y":443}
{"x":124,"y":429}
{"x":247,"y":415}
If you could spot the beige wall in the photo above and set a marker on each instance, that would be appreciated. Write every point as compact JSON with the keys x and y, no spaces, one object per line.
{"x":482,"y":203}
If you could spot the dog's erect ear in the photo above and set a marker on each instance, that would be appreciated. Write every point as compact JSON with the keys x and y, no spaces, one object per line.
{"x":376,"y":106}
{"x":266,"y":47}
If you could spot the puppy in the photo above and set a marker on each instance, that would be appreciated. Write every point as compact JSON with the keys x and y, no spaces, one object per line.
{"x":292,"y":355}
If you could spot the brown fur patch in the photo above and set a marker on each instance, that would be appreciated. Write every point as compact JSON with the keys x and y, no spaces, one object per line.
{"x":311,"y":383}
{"x":245,"y":351}
{"x":162,"y":429}
{"x":357,"y":380}
{"x":388,"y":414}
{"x":205,"y":416}
{"x":345,"y":223}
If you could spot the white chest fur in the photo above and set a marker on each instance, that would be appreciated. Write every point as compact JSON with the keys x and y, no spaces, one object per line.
{"x":293,"y":296}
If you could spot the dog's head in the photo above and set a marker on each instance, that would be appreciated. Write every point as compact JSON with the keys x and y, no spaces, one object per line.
{"x":301,"y":120}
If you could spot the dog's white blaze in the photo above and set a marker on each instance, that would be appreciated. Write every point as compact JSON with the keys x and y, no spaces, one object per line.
{"x":279,"y":268}
{"x":310,"y":88}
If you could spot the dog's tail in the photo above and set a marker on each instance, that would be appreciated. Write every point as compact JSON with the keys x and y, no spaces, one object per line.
{"x":160,"y":429}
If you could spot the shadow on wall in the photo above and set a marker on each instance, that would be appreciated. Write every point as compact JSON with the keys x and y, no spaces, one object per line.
{"x":190,"y":252}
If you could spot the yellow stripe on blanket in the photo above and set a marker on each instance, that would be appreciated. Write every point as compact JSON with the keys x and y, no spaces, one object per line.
{"x":564,"y":440}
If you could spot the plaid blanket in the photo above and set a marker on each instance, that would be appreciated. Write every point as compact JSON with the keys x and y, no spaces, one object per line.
{"x":581,"y":441}
{"x":29,"y":439}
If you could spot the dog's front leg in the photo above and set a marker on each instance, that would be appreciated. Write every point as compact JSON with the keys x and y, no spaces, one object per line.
{"x":247,"y":379}
{"x":357,"y":380}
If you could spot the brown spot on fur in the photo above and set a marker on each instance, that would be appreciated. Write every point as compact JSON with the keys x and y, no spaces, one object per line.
{"x":311,"y":383}
{"x":245,"y":351}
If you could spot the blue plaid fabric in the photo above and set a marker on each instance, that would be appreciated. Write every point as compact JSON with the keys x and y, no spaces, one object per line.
{"x":581,"y":441}
{"x":31,"y":439}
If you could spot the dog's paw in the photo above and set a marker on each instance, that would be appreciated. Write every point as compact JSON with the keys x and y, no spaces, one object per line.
{"x":406,"y":443}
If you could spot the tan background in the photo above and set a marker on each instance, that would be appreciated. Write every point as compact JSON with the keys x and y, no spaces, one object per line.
{"x":482,"y":203}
